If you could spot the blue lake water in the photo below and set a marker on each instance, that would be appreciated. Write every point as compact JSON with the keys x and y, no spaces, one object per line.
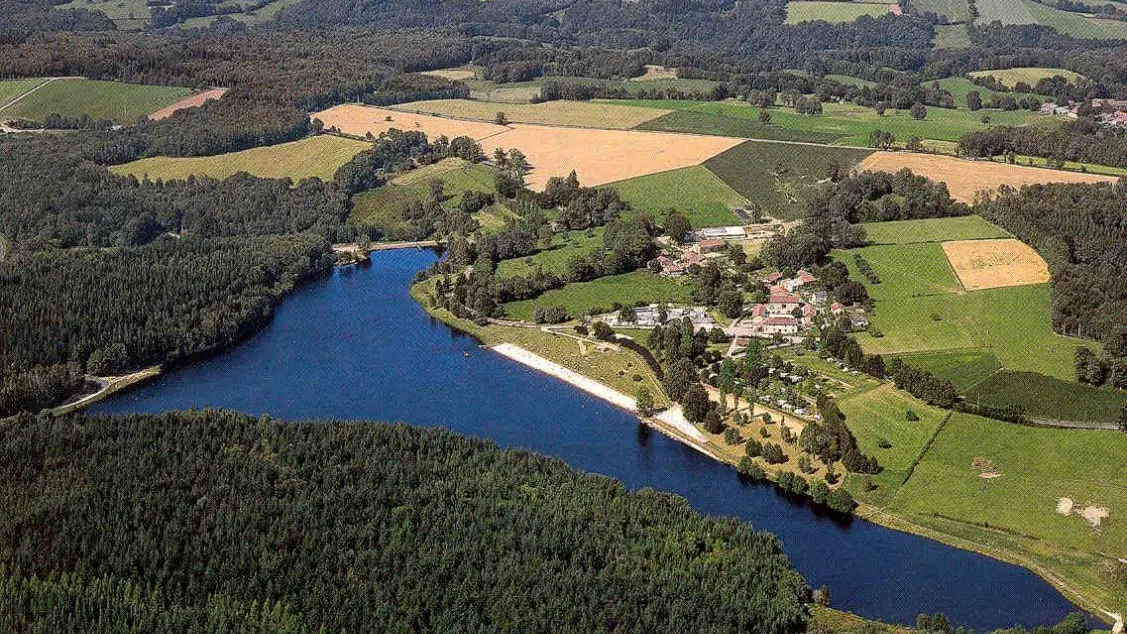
{"x":356,"y":346}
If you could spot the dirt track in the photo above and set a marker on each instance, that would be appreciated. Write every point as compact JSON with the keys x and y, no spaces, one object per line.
{"x":965,"y":178}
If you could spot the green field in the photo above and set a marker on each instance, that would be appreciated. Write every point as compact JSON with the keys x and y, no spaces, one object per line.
{"x":694,"y":191}
{"x":1030,"y":12}
{"x":601,"y":294}
{"x":932,"y":230}
{"x":960,"y":86}
{"x":128,"y":15}
{"x":881,"y":414}
{"x":116,"y":101}
{"x":853,"y":81}
{"x":251,"y":18}
{"x":779,"y":177}
{"x":1011,"y":76}
{"x":744,"y":127}
{"x":315,"y":157}
{"x":851,"y":124}
{"x":555,"y":258}
{"x":1048,"y":398}
{"x":963,"y":368}
{"x":952,"y":36}
{"x":12,"y":88}
{"x":955,"y":10}
{"x":906,"y":270}
{"x":833,"y":12}
{"x":1037,"y":466}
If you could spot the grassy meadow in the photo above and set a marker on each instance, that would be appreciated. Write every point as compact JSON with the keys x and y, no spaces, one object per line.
{"x":779,"y":177}
{"x":694,"y":122}
{"x":952,"y":36}
{"x":315,"y":157}
{"x":1010,"y":77}
{"x":702,"y":196}
{"x":1031,"y":12}
{"x":1047,"y":398}
{"x":127,"y":15}
{"x":881,"y":414}
{"x":932,"y":230}
{"x":964,"y":368}
{"x":12,"y":88}
{"x":960,"y":86}
{"x":555,"y":258}
{"x":601,"y":294}
{"x":116,"y":101}
{"x":614,"y":116}
{"x":833,"y":12}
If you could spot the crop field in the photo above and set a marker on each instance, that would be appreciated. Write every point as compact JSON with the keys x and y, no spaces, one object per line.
{"x":116,"y":101}
{"x":12,"y":88}
{"x":315,"y":157}
{"x":193,"y":101}
{"x":1012,"y":478}
{"x":601,"y":294}
{"x":965,"y":178}
{"x":850,"y":124}
{"x":610,"y":116}
{"x":555,"y":258}
{"x":1048,"y":398}
{"x":933,"y":230}
{"x":964,"y":368}
{"x":833,"y":12}
{"x":960,"y":86}
{"x":1030,"y":12}
{"x":598,"y":156}
{"x":779,"y":177}
{"x":723,"y":125}
{"x":1011,"y":76}
{"x":982,"y":264}
{"x":694,"y":191}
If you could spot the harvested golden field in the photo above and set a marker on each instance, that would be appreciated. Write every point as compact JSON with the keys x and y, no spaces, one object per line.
{"x":571,"y":113}
{"x":656,"y":73}
{"x":194,"y":101}
{"x":453,"y":74}
{"x":359,"y":120}
{"x":982,"y":264}
{"x":598,"y":156}
{"x":965,"y":178}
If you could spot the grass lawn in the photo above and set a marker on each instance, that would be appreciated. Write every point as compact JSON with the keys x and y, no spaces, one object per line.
{"x":12,"y":88}
{"x":960,"y":86}
{"x":952,"y":36}
{"x":851,"y":124}
{"x":601,"y":295}
{"x":779,"y":177}
{"x":964,"y":368}
{"x":554,"y":259}
{"x":613,"y":116}
{"x":743,"y":127}
{"x":694,"y":191}
{"x":905,"y":270}
{"x":319,"y":156}
{"x":128,"y":15}
{"x":834,"y":12}
{"x":1011,"y":76}
{"x":116,"y":101}
{"x":1017,"y":509}
{"x":933,"y":230}
{"x":1048,"y":398}
{"x":881,"y":414}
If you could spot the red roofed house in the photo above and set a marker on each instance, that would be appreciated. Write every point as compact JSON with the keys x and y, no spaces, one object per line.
{"x":781,"y":326}
{"x":774,"y":277}
{"x":836,"y":308}
{"x":714,"y":245}
{"x":782,"y":303}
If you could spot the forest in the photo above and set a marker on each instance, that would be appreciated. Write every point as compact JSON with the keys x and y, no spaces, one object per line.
{"x":350,"y":527}
{"x":1082,"y":140}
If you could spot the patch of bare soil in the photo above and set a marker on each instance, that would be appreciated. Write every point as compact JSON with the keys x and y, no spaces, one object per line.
{"x":986,"y":469}
{"x":193,"y":101}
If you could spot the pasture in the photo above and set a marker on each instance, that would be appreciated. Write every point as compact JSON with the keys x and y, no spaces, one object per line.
{"x":104,"y":100}
{"x":905,"y":270}
{"x":554,"y":259}
{"x":1010,"y":77}
{"x":833,"y":12}
{"x":744,"y":127}
{"x":315,"y":157}
{"x":882,"y":414}
{"x":964,"y":368}
{"x":13,"y":88}
{"x":1047,"y":398}
{"x":960,"y":86}
{"x":601,"y":295}
{"x":955,"y":10}
{"x":1031,"y":12}
{"x":932,"y":230}
{"x":572,"y":113}
{"x":1012,"y":478}
{"x":952,"y":36}
{"x":598,"y":156}
{"x":127,"y":15}
{"x":779,"y":177}
{"x":694,"y":191}
{"x":982,"y":264}
{"x":965,"y":178}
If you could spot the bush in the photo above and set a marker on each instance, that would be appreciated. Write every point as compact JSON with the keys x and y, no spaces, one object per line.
{"x":792,"y":483}
{"x":753,"y":448}
{"x":819,"y":492}
{"x":749,"y":469}
{"x":550,"y":315}
{"x":884,"y":444}
{"x":731,"y":436}
{"x":911,"y":415}
{"x":602,"y":331}
{"x":841,"y":501}
{"x":773,"y":454}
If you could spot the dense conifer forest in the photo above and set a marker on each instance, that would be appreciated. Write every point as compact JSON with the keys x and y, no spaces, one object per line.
{"x":360,"y":527}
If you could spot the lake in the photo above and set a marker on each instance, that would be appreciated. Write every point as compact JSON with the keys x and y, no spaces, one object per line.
{"x":355,"y":346}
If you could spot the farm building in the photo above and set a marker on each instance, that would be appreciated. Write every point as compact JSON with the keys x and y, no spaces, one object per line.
{"x":721,"y":233}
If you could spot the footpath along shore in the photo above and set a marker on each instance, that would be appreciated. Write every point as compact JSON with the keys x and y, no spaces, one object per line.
{"x":671,"y":420}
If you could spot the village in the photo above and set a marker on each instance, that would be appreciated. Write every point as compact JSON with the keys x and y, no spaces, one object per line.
{"x":1112,"y":112}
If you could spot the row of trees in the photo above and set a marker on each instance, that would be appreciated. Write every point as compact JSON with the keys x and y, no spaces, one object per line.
{"x":1083,"y":140}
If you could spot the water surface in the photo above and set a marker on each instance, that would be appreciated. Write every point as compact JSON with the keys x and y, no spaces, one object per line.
{"x":356,"y":346}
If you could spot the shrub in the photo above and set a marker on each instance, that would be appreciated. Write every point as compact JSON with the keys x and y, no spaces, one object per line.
{"x":731,"y":436}
{"x":841,"y":501}
{"x":884,"y":444}
{"x":911,"y":415}
{"x":749,"y":469}
{"x":819,"y":492}
{"x":773,"y":454}
{"x":549,"y":315}
{"x":753,"y":448}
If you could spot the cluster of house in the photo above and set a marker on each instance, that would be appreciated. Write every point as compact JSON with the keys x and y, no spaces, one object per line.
{"x":704,"y":244}
{"x":652,"y":316}
{"x":1116,"y":117}
{"x":790,"y":309}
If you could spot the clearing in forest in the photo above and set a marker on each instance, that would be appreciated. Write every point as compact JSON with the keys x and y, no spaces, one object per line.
{"x":572,"y":113}
{"x":982,"y":264}
{"x":965,"y":178}
{"x":599,"y":156}
{"x":452,"y":74}
{"x":194,"y":101}
{"x":1010,"y":77}
{"x":834,"y":12}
